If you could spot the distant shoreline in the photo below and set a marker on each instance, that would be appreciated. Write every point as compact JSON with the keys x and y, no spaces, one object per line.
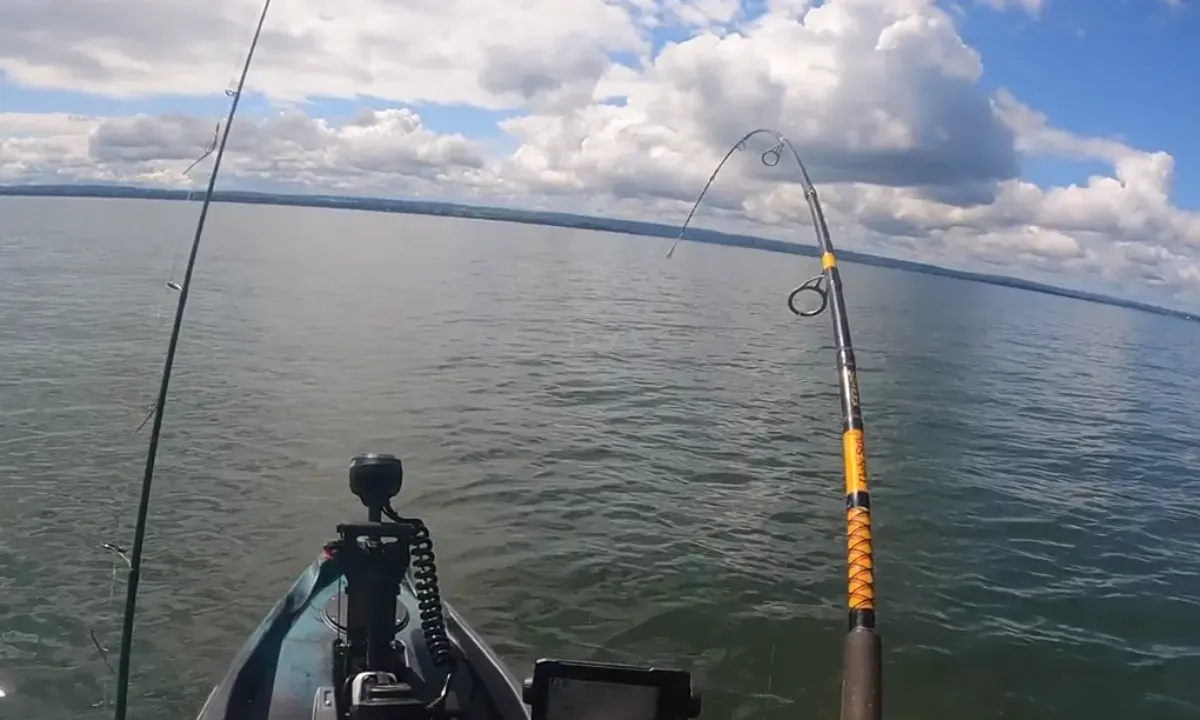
{"x":569,"y":220}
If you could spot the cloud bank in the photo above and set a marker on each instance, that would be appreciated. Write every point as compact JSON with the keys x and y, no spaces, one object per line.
{"x":615,"y":106}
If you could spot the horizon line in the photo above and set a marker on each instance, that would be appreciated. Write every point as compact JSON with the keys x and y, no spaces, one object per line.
{"x":444,"y":208}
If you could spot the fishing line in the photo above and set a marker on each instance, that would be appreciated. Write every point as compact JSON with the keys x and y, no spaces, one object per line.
{"x":119,"y":557}
{"x":172,"y":285}
{"x":139,"y":538}
{"x":862,"y":697}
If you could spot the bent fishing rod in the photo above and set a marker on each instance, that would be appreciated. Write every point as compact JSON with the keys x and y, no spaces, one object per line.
{"x":862,"y":690}
{"x":139,"y":533}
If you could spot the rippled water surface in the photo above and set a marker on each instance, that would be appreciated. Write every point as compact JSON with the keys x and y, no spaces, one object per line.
{"x":621,"y":458}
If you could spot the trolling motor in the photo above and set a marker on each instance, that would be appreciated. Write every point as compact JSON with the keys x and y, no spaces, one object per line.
{"x":372,"y":677}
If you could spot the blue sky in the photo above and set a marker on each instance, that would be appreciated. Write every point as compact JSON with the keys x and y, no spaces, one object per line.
{"x":1119,"y":68}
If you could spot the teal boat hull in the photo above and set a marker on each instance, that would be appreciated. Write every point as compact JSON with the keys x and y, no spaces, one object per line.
{"x":285,"y":669}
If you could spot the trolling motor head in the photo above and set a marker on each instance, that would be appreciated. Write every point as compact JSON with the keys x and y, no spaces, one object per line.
{"x":376,"y":478}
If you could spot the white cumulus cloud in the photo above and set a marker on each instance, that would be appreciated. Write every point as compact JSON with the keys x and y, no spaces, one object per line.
{"x":883,"y":99}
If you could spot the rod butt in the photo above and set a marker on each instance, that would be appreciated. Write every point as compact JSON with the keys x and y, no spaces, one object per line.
{"x":862,"y":686}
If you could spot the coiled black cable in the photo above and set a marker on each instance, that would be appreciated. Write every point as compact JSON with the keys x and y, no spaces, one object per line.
{"x":429,"y":597}
{"x":426,"y":590}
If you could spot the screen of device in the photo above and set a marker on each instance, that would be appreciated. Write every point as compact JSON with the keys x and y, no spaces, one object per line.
{"x":571,"y":699}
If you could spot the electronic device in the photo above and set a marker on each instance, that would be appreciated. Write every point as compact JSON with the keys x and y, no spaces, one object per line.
{"x":573,"y":690}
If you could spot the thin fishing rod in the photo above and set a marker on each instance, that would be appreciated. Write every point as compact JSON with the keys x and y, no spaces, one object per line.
{"x":139,"y":534}
{"x":862,"y":690}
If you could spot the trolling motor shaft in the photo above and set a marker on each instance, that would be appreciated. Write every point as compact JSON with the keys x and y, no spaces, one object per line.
{"x":374,"y":556}
{"x":374,"y":570}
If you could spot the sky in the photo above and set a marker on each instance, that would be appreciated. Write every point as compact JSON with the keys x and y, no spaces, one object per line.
{"x":1044,"y":139}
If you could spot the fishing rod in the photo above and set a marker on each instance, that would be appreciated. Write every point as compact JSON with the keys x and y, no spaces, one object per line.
{"x":862,"y":689}
{"x":139,"y":533}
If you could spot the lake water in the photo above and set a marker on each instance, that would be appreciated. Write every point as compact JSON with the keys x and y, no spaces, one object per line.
{"x":621,"y":458}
